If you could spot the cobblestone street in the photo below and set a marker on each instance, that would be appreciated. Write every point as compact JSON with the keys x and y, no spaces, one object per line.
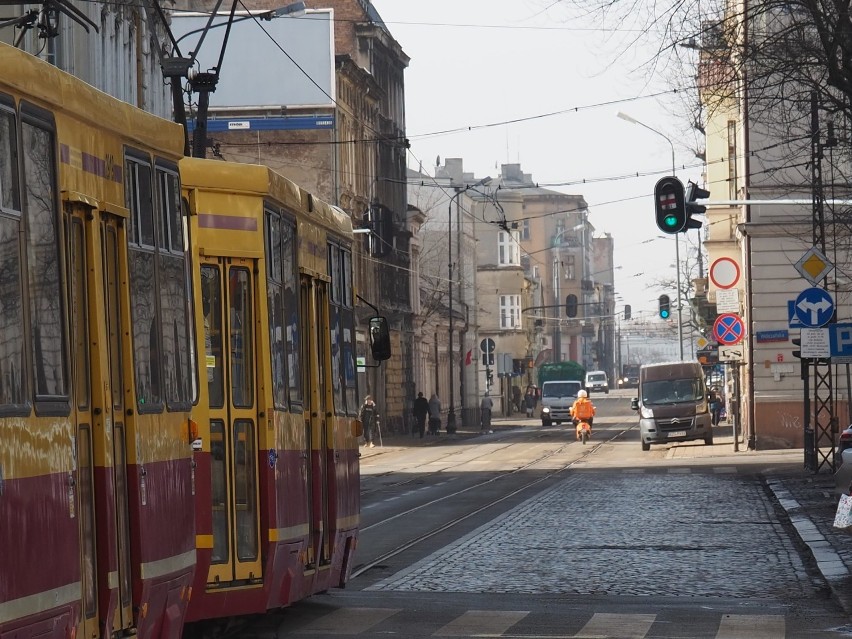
{"x":676,"y":533}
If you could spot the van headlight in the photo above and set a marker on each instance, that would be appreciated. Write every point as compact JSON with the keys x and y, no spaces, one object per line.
{"x":646,"y":413}
{"x":545,"y":409}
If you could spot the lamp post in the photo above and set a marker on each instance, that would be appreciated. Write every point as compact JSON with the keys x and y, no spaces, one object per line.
{"x":451,"y":415}
{"x":632,"y":120}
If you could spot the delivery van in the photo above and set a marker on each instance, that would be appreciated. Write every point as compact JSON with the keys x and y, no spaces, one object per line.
{"x":597,"y":382}
{"x":673,"y":404}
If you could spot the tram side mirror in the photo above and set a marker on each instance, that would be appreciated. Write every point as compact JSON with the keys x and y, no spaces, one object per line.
{"x":634,"y":403}
{"x":380,"y":344}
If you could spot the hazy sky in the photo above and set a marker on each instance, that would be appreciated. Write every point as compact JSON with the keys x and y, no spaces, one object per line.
{"x":483,"y":63}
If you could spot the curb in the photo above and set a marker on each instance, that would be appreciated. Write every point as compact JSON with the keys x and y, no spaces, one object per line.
{"x":829,"y":563}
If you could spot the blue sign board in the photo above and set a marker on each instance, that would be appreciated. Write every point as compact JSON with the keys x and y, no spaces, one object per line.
{"x":840,"y":340}
{"x":772,"y":336}
{"x":814,"y":307}
{"x":792,"y":320}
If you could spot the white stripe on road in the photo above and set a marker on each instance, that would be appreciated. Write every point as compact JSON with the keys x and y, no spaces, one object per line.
{"x":604,"y":624}
{"x":482,"y":623}
{"x":349,"y":621}
{"x":751,"y":627}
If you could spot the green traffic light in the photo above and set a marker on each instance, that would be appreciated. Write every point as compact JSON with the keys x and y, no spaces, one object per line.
{"x":664,"y":314}
{"x":670,"y":221}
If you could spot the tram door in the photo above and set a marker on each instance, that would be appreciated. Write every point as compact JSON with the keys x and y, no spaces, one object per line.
{"x":228,"y":300}
{"x":99,"y":403}
{"x":317,"y":356}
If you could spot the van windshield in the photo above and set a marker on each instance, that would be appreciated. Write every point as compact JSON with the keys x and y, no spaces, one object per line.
{"x":672,"y":391}
{"x":600,"y":377}
{"x":560,"y":389}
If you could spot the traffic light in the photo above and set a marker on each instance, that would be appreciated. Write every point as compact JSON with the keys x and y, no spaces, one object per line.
{"x":797,"y":342}
{"x":571,"y":305}
{"x":665,"y":307}
{"x":694,"y":192}
{"x":669,"y":205}
{"x":627,"y":311}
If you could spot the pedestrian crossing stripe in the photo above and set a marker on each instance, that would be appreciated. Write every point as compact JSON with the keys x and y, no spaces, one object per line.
{"x":352,"y":621}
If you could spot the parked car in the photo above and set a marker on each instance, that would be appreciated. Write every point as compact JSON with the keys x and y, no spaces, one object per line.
{"x":844,"y":442}
{"x":843,"y":474}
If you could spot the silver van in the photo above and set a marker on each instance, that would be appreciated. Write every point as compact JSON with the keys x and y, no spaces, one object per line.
{"x":673,"y":404}
{"x":557,"y":398}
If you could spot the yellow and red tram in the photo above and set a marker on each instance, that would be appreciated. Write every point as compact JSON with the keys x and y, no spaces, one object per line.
{"x":178,"y":433}
{"x":96,"y":382}
{"x":277,"y":475}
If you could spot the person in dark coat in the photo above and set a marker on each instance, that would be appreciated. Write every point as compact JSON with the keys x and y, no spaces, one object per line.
{"x":421,"y":411}
{"x":368,"y":416}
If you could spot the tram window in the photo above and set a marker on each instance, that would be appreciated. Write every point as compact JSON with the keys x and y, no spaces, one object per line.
{"x":171,"y":211}
{"x":336,"y":340}
{"x":42,"y":247}
{"x":211,"y":302}
{"x":334,"y":272}
{"x":348,"y":332}
{"x":141,"y":205}
{"x":245,"y":489}
{"x":173,"y":296}
{"x":142,"y":264}
{"x":242,"y":342}
{"x":12,"y":384}
{"x":9,"y":193}
{"x":291,"y":311}
{"x":219,"y":492}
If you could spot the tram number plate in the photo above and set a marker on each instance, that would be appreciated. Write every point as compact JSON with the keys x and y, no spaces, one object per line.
{"x":678,"y":433}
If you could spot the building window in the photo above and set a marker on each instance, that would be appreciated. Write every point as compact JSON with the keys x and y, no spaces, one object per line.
{"x":570,"y":270}
{"x":525,"y":230}
{"x":510,"y":311}
{"x":732,"y":159}
{"x":536,"y":273}
{"x":508,"y":248}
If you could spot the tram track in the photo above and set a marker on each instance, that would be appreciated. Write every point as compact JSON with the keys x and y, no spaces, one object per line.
{"x":481,"y":507}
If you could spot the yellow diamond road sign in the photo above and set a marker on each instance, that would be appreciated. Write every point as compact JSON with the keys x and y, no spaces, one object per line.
{"x":814,"y":266}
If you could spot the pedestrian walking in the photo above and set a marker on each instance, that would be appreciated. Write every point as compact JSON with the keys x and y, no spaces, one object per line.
{"x":421,"y":412}
{"x":485,"y":408}
{"x":529,"y":401}
{"x":434,"y":414}
{"x":516,"y":398}
{"x":369,"y":415}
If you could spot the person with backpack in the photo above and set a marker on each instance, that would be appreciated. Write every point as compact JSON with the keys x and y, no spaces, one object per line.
{"x":582,"y":411}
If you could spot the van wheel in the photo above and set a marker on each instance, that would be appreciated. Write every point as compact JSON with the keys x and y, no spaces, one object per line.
{"x":646,"y":446}
{"x":545,"y":422}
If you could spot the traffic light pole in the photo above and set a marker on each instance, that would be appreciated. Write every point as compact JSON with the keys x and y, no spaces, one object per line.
{"x":679,"y":311}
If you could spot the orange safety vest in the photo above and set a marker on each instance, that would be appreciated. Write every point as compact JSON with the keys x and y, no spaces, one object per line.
{"x":583,"y":408}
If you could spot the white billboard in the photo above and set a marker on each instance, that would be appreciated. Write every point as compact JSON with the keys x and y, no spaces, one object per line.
{"x":269,"y":61}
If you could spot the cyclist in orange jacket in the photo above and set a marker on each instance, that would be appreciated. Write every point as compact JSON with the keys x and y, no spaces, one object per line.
{"x":583,"y":411}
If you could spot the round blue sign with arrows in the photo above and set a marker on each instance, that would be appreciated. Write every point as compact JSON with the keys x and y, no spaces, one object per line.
{"x":814,"y":307}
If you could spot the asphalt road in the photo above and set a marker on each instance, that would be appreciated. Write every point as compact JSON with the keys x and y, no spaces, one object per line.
{"x":526,"y":533}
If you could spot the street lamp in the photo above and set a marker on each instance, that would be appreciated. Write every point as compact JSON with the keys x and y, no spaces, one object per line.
{"x":632,"y":120}
{"x":451,"y":415}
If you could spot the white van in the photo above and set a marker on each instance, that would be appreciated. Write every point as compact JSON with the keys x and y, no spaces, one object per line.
{"x":596,"y":381}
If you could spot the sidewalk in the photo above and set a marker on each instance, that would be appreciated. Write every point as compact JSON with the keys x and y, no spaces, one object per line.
{"x":807,"y":499}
